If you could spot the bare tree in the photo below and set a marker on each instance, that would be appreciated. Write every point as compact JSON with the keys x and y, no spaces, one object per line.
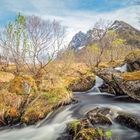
{"x":92,"y":54}
{"x":45,"y":39}
{"x":100,"y":30}
{"x":13,"y":42}
{"x":31,"y":42}
{"x":66,"y":58}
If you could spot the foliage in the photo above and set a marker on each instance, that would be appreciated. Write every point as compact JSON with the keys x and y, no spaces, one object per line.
{"x":108,"y":134}
{"x":23,"y":85}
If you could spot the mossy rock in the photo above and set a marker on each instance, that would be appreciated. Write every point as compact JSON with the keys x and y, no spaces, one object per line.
{"x":82,"y":84}
{"x":87,"y":134}
{"x":22,"y":85}
{"x":100,"y":119}
{"x":93,"y":134}
{"x":75,"y":126}
{"x":133,"y":60}
{"x":100,"y":116}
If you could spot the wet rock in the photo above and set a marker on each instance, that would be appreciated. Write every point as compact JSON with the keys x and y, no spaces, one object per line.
{"x":121,"y":85}
{"x":110,"y":83}
{"x":84,"y":130}
{"x":129,"y":120}
{"x":82,"y":84}
{"x":93,"y":134}
{"x":131,"y":88}
{"x":100,"y":116}
{"x":75,"y":126}
{"x":65,"y":137}
{"x":106,"y":88}
{"x":133,"y":60}
{"x":88,"y":134}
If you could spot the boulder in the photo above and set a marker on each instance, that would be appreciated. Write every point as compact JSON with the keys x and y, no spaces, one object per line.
{"x":122,"y":83}
{"x":129,"y":120}
{"x":110,"y":83}
{"x":82,"y":84}
{"x":88,"y":134}
{"x":133,"y":60}
{"x":75,"y":126}
{"x":100,"y":116}
{"x":83,"y":130}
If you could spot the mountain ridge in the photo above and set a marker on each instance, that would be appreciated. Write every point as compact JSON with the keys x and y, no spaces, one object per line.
{"x":124,"y":30}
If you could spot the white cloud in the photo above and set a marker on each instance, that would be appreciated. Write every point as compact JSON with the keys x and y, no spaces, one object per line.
{"x":74,"y":20}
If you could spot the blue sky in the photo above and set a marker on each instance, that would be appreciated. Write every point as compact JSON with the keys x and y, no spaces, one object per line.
{"x":75,"y":14}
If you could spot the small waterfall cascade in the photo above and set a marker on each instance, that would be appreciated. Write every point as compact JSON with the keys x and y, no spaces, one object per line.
{"x":122,"y":68}
{"x":98,"y":83}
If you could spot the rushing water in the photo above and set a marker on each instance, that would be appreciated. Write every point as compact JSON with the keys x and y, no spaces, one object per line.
{"x":54,"y":125}
{"x":123,"y":68}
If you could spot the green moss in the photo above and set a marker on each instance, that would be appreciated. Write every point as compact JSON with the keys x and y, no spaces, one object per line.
{"x":93,"y":134}
{"x":87,"y":134}
{"x":108,"y":134}
{"x":74,"y":126}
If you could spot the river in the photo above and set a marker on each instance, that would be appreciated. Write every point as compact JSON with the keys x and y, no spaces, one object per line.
{"x":55,"y":123}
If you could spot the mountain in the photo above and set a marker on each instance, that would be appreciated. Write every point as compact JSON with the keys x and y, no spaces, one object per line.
{"x":125,"y":31}
{"x":79,"y":40}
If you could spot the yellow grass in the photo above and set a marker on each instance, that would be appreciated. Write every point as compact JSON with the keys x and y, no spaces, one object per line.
{"x":6,"y":77}
{"x":131,"y":76}
{"x":111,"y":64}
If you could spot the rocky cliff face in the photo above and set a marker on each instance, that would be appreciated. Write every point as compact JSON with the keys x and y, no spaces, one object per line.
{"x":79,"y":40}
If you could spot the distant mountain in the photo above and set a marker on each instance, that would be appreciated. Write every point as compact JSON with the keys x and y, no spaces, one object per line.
{"x":79,"y":40}
{"x":126,"y":31}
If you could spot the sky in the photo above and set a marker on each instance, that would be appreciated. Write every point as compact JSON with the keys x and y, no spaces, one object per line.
{"x":76,"y":15}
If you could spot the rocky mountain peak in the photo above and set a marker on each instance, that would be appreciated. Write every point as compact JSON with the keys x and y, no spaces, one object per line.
{"x":125,"y":31}
{"x":78,"y":40}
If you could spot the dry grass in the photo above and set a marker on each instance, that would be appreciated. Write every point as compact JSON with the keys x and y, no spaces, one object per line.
{"x":131,"y":76}
{"x":133,"y":56}
{"x":111,"y":64}
{"x":6,"y":77}
{"x":52,"y":91}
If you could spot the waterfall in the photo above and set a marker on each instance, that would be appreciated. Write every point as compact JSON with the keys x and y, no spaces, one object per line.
{"x":122,"y":68}
{"x":98,"y":83}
